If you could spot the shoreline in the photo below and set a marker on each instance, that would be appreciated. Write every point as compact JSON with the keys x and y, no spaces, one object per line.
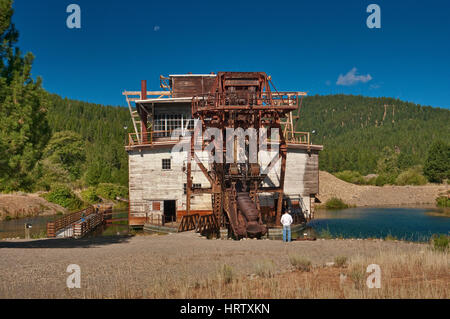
{"x":411,"y":206}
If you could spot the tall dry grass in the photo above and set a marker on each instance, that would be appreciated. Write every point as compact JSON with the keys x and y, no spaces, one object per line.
{"x":423,"y":274}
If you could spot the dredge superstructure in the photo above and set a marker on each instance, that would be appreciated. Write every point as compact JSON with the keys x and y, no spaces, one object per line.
{"x":236,"y":177}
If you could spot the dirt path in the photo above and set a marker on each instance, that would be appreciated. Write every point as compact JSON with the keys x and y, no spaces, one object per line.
{"x":363,"y":195}
{"x":24,"y":205}
{"x":112,"y":265}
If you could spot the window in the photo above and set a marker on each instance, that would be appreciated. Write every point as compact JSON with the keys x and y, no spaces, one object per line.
{"x":164,"y":124}
{"x":166,"y":163}
{"x":156,"y":205}
{"x":193,"y":186}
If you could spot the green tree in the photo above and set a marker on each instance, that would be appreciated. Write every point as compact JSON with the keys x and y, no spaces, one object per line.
{"x":437,"y":164}
{"x":387,"y":164}
{"x":24,"y":130}
{"x":404,"y":161}
{"x":68,"y":149}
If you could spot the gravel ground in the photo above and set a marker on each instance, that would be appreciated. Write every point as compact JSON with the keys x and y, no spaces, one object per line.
{"x":37,"y":268}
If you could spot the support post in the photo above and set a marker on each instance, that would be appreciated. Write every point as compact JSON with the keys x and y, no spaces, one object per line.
{"x":27,"y":230}
{"x":189,"y":177}
{"x":283,"y":151}
{"x":143,"y":113}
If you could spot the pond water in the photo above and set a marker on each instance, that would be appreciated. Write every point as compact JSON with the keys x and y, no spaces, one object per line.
{"x":413,"y":224}
{"x":15,"y":228}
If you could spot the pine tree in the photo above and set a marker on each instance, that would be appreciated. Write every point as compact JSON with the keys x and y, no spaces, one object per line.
{"x":24,"y":130}
{"x":69,"y":150}
{"x":437,"y":165}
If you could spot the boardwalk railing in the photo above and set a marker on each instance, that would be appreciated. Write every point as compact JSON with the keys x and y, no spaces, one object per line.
{"x":92,"y":218}
{"x":81,"y":228}
{"x":63,"y":222}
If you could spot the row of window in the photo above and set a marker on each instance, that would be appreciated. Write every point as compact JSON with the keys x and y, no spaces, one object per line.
{"x":164,"y":124}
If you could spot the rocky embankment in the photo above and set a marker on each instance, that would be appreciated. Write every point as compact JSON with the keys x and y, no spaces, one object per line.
{"x":23,"y":205}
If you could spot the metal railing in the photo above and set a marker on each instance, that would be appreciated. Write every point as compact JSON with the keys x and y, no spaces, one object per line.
{"x":65,"y":221}
{"x":243,"y":100}
{"x":294,"y":138}
{"x":74,"y":226}
{"x":81,"y":228}
{"x":160,"y":220}
{"x":155,"y":136}
{"x":298,"y":137}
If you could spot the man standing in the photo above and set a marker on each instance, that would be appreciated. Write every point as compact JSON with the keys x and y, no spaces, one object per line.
{"x":286,"y":221}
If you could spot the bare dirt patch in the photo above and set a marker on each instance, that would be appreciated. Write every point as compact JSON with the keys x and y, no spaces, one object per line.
{"x":25,"y":205}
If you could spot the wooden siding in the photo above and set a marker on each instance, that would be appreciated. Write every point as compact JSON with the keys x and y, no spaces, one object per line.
{"x":150,"y":184}
{"x":191,"y":86}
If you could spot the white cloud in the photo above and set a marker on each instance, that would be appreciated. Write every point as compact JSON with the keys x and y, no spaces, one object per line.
{"x":351,"y":78}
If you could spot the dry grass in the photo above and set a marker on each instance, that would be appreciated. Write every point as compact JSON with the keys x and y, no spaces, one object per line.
{"x":423,"y":275}
{"x":340,"y":261}
{"x":300,"y":263}
{"x":420,"y":275}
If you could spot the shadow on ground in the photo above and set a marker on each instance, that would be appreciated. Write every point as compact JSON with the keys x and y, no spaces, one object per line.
{"x":66,"y":242}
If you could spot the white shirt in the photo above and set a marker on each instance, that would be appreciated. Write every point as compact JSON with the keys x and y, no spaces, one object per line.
{"x":286,"y":219}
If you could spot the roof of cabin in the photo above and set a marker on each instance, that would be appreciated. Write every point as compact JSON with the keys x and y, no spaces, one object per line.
{"x":166,"y":100}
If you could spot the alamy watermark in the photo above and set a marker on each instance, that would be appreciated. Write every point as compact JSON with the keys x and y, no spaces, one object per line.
{"x":73,"y":21}
{"x":242,"y":146}
{"x":74,"y":279}
{"x":374,"y":279}
{"x":374,"y":19}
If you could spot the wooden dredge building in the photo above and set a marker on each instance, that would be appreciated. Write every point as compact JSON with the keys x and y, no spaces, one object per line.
{"x":171,"y":186}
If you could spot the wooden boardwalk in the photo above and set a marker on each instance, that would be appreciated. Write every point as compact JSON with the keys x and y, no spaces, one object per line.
{"x":78,"y":224}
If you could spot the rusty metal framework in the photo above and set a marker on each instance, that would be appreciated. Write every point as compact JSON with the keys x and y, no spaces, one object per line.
{"x":240,"y":100}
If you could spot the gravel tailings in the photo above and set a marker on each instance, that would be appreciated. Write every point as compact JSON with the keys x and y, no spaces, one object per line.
{"x":364,"y":195}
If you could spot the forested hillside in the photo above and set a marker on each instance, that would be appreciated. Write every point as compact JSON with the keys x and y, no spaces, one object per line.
{"x":364,"y":135}
{"x":355,"y":130}
{"x":102,"y":129}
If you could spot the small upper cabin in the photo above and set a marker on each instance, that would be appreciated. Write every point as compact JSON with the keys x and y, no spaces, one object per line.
{"x":189,"y":85}
{"x":159,"y":113}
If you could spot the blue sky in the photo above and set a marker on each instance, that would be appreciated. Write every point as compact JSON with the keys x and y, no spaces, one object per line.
{"x":304,"y":45}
